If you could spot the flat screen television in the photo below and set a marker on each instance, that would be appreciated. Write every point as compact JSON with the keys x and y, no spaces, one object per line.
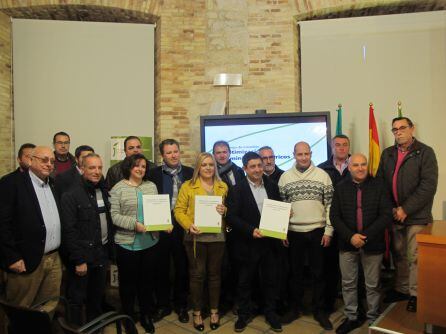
{"x":280,"y":131}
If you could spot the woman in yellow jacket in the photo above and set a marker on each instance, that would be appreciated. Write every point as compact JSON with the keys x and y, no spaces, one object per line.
{"x":204,"y":250}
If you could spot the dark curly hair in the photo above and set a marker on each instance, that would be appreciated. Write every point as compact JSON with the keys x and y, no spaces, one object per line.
{"x":129,"y":162}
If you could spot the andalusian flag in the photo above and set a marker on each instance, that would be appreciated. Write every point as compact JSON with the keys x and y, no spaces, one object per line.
{"x":373,"y":143}
{"x":339,"y":122}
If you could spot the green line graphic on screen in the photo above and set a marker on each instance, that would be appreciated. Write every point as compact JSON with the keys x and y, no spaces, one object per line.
{"x":257,"y":132}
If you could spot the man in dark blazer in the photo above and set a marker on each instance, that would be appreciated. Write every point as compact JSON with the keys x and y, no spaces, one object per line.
{"x":65,"y":180}
{"x":87,"y":240}
{"x":253,"y":251}
{"x":168,"y":179}
{"x":360,"y":212}
{"x":30,"y":233}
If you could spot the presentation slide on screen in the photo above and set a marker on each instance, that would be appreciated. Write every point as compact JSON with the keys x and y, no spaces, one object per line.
{"x":281,"y":137}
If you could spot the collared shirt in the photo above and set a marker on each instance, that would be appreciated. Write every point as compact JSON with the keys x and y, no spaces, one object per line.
{"x":50,"y":214}
{"x":259,"y":193}
{"x":341,"y":167}
{"x":102,"y":216}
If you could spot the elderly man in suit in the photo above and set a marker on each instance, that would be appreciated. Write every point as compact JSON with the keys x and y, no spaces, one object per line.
{"x":30,"y":233}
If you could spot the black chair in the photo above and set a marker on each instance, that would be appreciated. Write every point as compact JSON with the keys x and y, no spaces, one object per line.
{"x":23,"y":320}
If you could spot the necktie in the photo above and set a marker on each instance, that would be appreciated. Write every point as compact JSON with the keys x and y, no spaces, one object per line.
{"x":359,"y":209}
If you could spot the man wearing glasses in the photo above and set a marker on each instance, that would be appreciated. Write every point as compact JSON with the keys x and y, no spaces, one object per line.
{"x":270,"y":168}
{"x":64,"y":159}
{"x":410,"y":170}
{"x":30,"y":233}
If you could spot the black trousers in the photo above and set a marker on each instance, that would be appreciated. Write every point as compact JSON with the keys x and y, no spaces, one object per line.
{"x":136,"y":270}
{"x":229,"y":274}
{"x":332,"y":273}
{"x":301,"y":244}
{"x":88,"y":289}
{"x":257,"y":259}
{"x":171,"y":247}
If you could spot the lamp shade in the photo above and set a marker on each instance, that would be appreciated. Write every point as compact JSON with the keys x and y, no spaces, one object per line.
{"x":228,"y":79}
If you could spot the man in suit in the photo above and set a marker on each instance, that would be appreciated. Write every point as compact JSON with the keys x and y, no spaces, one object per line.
{"x":87,"y":239}
{"x":73,"y":176}
{"x":360,"y":212}
{"x":132,"y":146}
{"x":168,"y":179}
{"x":245,"y":204}
{"x":30,"y":233}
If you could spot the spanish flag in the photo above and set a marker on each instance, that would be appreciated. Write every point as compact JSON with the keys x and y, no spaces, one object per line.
{"x":374,"y":153}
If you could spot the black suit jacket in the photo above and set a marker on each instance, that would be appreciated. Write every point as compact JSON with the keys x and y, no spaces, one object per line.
{"x":244,"y":216}
{"x":22,"y":229}
{"x":156,"y":176}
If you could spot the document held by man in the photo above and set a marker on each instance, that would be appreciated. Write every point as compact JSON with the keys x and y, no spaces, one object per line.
{"x":207,"y":219}
{"x":275,"y":219}
{"x":156,"y":210}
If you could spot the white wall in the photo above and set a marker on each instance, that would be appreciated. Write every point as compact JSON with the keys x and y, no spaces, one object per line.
{"x":92,"y":80}
{"x":380,"y":59}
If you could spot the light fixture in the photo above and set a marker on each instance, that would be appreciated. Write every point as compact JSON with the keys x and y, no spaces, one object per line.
{"x":227,"y":80}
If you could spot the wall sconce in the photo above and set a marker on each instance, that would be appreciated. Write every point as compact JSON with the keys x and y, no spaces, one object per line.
{"x":227,"y":80}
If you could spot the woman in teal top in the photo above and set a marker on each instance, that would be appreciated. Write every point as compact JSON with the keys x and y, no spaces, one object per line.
{"x":136,"y":251}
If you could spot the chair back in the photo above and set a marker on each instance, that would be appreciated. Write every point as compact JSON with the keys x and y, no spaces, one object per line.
{"x":24,"y":320}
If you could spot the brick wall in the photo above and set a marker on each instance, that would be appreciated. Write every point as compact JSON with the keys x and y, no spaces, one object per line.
{"x":196,"y":39}
{"x":6,"y":150}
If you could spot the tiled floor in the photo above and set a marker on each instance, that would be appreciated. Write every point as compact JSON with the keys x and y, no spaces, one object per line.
{"x":304,"y":325}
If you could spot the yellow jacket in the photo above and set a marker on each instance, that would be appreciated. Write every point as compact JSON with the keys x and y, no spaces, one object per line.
{"x":185,"y":206}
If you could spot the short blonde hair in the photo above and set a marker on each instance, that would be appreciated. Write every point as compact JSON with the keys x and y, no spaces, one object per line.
{"x":199,"y":161}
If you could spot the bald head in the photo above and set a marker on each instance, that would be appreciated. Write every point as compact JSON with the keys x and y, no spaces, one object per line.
{"x":302,"y":154}
{"x":42,"y":162}
{"x":357,"y":166}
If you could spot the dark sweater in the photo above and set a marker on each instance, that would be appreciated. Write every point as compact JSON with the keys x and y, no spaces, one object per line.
{"x":376,"y":213}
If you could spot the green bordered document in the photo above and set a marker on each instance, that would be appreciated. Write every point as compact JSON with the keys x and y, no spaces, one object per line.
{"x":275,"y":219}
{"x":156,"y":210}
{"x":207,"y":219}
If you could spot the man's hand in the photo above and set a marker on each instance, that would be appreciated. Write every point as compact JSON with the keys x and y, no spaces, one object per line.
{"x":286,"y":243}
{"x":325,"y":241}
{"x":257,"y":234}
{"x":194,"y":230}
{"x":358,"y":240}
{"x":18,"y":267}
{"x":140,"y":228}
{"x":81,"y":269}
{"x":399,"y":214}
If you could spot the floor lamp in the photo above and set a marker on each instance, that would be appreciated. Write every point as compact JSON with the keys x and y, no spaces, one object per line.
{"x":227,"y":80}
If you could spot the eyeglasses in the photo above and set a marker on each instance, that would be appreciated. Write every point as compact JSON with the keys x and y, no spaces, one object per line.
{"x":45,"y":160}
{"x":271,"y":157}
{"x":401,"y":128}
{"x":62,"y":142}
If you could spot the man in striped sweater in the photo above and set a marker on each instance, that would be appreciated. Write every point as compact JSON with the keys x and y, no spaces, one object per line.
{"x":309,"y":189}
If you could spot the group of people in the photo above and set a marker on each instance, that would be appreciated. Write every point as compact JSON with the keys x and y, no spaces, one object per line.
{"x":57,"y":208}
